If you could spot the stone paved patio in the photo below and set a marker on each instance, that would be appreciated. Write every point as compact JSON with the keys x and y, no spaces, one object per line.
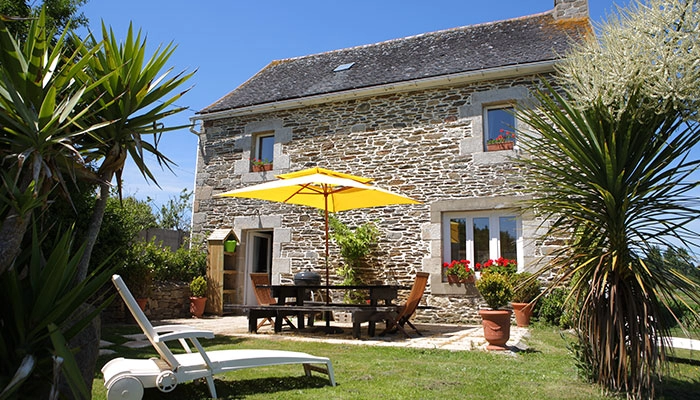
{"x":435,"y":336}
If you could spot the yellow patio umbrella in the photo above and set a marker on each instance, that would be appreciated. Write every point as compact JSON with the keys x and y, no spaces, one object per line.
{"x":324,"y":189}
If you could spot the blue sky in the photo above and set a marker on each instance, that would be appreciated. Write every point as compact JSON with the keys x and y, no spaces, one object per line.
{"x":229,"y":41}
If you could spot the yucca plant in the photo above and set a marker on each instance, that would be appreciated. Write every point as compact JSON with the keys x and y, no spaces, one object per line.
{"x":42,"y":114}
{"x":613,"y":182}
{"x":612,"y":168}
{"x":38,"y":303}
{"x":137,"y":96}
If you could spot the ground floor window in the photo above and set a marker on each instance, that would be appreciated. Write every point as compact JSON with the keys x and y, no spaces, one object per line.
{"x":478,"y":237}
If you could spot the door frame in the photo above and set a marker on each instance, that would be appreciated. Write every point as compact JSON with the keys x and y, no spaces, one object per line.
{"x":250,"y":255}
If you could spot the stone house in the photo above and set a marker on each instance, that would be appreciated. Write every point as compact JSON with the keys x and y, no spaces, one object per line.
{"x":416,"y":115}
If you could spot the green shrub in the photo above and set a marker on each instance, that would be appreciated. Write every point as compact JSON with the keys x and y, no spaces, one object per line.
{"x":495,"y":288}
{"x":554,"y":310}
{"x":147,"y":261}
{"x":182,"y":265}
{"x":198,"y":287}
{"x":525,"y":287}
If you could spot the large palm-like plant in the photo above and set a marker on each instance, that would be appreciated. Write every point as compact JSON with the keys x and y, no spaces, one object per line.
{"x":137,"y":96}
{"x":613,"y":182}
{"x":40,"y":120}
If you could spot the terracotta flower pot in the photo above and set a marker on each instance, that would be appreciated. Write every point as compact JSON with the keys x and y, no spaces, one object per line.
{"x":142,"y":303}
{"x":523,"y":312}
{"x":500,"y":146}
{"x":261,"y":168}
{"x":452,"y":279}
{"x":197,"y":305}
{"x":496,"y":324}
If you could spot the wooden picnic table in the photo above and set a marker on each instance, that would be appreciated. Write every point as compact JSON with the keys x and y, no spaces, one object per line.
{"x":376,"y":293}
{"x":379,"y":306}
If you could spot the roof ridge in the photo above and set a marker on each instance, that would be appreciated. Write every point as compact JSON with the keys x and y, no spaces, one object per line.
{"x":424,"y":34}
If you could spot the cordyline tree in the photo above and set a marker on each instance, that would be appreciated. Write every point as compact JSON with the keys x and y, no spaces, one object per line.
{"x":135,"y":98}
{"x":58,"y":101}
{"x":611,"y":157}
{"x":41,"y":114}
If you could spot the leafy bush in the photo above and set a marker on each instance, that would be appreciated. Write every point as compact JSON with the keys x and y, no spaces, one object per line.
{"x":147,"y":261}
{"x":525,"y":287}
{"x":495,"y":288}
{"x":182,"y":265}
{"x":553,"y":309}
{"x":355,"y":245}
{"x":198,"y":287}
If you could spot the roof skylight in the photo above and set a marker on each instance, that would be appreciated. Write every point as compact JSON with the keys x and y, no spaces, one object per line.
{"x":344,"y":67}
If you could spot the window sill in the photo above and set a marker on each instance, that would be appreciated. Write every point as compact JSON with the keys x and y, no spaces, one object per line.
{"x":499,"y":146}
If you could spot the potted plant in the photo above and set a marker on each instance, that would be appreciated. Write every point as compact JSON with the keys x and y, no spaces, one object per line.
{"x":459,"y":271}
{"x":526,"y":288}
{"x":504,"y":141}
{"x":497,"y":291}
{"x":501,"y":265}
{"x":198,"y":299}
{"x":260,"y":165}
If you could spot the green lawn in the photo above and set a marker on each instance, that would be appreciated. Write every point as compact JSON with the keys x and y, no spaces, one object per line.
{"x":368,"y":372}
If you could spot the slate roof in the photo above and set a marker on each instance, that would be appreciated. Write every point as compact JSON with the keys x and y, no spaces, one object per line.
{"x":518,"y":41}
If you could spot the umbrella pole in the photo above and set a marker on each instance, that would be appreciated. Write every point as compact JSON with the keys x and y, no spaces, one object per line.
{"x":328,"y":298}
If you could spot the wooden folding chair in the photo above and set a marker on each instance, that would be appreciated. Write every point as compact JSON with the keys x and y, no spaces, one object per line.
{"x":264,"y":297}
{"x":406,"y":311}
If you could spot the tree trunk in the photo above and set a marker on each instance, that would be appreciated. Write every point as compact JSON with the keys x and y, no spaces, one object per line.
{"x":87,"y":342}
{"x":11,"y":234}
{"x":98,"y":213}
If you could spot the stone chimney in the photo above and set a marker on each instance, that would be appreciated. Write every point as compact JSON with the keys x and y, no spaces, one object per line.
{"x":565,"y":9}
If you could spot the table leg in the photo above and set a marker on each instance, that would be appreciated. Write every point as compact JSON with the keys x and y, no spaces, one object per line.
{"x":252,"y":322}
{"x":279,"y":320}
{"x":356,"y":330}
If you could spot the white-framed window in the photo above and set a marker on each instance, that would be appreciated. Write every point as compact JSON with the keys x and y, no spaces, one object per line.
{"x":264,"y":147}
{"x":481,"y":236}
{"x":499,"y":126}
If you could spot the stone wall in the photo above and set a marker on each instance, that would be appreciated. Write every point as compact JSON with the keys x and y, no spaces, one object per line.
{"x":168,"y":300}
{"x":424,"y":144}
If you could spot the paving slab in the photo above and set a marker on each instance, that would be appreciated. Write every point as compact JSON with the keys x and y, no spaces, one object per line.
{"x":434,"y":336}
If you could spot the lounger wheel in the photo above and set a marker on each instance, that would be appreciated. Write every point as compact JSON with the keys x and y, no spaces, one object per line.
{"x":125,"y":388}
{"x":166,"y":381}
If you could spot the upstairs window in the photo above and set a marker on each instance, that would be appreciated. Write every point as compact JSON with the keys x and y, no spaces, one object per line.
{"x":499,"y":128}
{"x":264,"y":148}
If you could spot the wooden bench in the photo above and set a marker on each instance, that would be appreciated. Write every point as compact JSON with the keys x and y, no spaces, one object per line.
{"x":360,"y":313}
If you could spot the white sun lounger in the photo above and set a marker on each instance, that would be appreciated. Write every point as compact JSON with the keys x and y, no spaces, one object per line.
{"x":126,"y":378}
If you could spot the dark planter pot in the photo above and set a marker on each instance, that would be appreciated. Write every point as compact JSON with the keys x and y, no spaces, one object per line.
{"x":523,"y":313}
{"x":496,"y":324}
{"x":452,"y":279}
{"x":197,"y":305}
